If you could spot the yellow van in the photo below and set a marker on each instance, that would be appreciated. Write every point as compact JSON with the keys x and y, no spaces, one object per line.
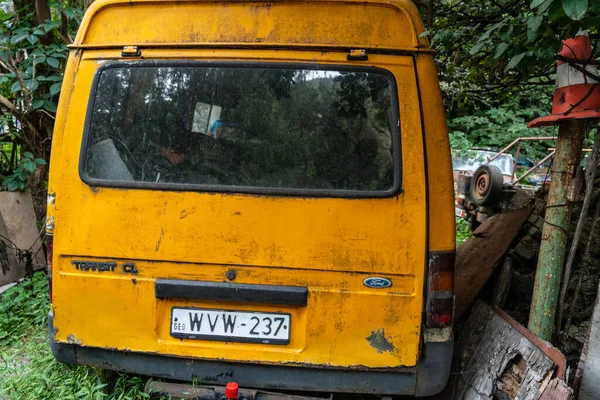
{"x":251,"y":191}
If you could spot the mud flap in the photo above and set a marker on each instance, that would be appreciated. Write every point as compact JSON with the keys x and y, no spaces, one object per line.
{"x":433,"y":370}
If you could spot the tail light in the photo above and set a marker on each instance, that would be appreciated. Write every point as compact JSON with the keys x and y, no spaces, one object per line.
{"x":440,"y":290}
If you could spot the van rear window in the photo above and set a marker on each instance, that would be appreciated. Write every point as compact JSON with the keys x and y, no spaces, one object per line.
{"x":242,"y":129}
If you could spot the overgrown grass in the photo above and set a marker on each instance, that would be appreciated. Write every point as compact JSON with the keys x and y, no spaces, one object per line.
{"x":28,"y":370}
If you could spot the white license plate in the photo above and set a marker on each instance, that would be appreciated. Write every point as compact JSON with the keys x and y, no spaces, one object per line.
{"x":460,"y":213}
{"x":230,"y":326}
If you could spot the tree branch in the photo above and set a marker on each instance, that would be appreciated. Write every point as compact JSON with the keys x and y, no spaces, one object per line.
{"x":64,"y":29}
{"x":21,"y":117}
{"x":24,"y":87}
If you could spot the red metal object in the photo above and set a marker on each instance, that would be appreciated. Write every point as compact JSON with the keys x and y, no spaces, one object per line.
{"x":577,"y":94}
{"x":232,"y":390}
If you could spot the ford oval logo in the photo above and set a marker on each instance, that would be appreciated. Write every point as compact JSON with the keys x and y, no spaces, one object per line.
{"x":377,"y":283}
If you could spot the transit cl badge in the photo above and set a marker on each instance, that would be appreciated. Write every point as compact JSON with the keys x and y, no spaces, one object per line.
{"x":377,"y":283}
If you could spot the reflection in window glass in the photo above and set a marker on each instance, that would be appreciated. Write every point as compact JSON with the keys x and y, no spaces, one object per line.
{"x":245,"y":127}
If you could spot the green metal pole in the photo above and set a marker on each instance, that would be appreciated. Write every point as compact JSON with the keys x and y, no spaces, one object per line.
{"x":554,"y":234}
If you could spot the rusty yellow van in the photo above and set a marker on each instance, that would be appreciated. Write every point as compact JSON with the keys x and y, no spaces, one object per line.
{"x":252,"y":191}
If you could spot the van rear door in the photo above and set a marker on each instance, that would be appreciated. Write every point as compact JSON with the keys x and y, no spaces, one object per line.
{"x":242,"y":205}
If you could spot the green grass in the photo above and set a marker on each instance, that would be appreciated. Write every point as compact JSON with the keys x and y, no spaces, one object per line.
{"x":28,"y":369}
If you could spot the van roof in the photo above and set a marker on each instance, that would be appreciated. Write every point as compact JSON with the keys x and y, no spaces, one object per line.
{"x":377,"y":25}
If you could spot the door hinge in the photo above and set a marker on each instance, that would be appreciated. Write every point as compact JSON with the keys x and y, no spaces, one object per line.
{"x":357,"y":55}
{"x":131,"y":51}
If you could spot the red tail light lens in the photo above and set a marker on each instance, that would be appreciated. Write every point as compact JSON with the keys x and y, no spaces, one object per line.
{"x":440,"y":290}
{"x":49,"y":248}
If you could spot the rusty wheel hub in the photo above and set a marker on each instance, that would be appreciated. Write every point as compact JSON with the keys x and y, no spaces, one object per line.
{"x":482,"y":184}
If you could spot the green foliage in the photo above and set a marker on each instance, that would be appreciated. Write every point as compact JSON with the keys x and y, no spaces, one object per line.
{"x":28,"y":370}
{"x":463,"y":230}
{"x":22,"y":307}
{"x":18,"y":179}
{"x":495,"y":127}
{"x":33,"y":71}
{"x":497,"y":45}
{"x":33,"y":54}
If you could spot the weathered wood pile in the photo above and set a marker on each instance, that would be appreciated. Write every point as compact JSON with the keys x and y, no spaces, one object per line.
{"x":496,"y":357}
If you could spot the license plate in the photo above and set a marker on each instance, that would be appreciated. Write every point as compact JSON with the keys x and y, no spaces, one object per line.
{"x":230,"y":326}
{"x":460,"y":213}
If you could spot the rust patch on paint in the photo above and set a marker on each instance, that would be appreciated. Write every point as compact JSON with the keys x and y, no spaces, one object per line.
{"x":188,"y":211}
{"x":162,"y":234}
{"x":73,"y":340}
{"x":379,"y":342}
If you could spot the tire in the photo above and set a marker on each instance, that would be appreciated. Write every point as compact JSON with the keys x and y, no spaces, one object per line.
{"x":486,"y":186}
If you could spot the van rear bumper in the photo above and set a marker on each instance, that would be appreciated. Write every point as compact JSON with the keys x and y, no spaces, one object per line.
{"x":428,"y":378}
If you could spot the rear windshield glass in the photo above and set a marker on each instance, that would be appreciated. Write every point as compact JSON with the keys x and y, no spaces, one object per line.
{"x":242,"y":127}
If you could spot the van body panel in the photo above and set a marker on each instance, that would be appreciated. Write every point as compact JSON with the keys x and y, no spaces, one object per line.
{"x":392,"y":25}
{"x":439,"y":162}
{"x":113,"y":242}
{"x":329,"y":245}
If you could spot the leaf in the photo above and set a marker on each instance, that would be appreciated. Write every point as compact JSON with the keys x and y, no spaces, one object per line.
{"x":555,"y":11}
{"x":29,"y":166}
{"x":47,"y":27}
{"x":544,"y":7}
{"x":514,"y":61}
{"x":18,"y":38}
{"x":54,"y":78}
{"x":55,"y":88}
{"x":488,"y":33}
{"x":506,"y":33}
{"x":536,"y":3}
{"x":533,"y":24}
{"x":475,"y":49}
{"x":50,"y":106}
{"x":32,"y":39}
{"x":53,"y":62}
{"x":32,"y":84}
{"x":502,"y":47}
{"x":16,"y":87}
{"x":37,"y":103}
{"x":40,"y":161}
{"x":28,"y":154}
{"x":69,"y":13}
{"x":575,"y":9}
{"x":14,"y":185}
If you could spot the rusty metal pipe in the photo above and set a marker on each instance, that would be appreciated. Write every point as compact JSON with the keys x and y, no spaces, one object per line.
{"x":516,"y":162}
{"x":554,"y":234}
{"x":530,"y":170}
{"x":504,"y":150}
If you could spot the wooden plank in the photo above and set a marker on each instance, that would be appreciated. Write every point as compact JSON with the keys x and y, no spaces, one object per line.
{"x":590,"y":359}
{"x":557,"y":390}
{"x":477,"y":257}
{"x":559,"y":359}
{"x":497,"y":361}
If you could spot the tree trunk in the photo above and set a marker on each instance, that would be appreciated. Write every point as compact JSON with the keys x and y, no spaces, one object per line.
{"x":43,"y":14}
